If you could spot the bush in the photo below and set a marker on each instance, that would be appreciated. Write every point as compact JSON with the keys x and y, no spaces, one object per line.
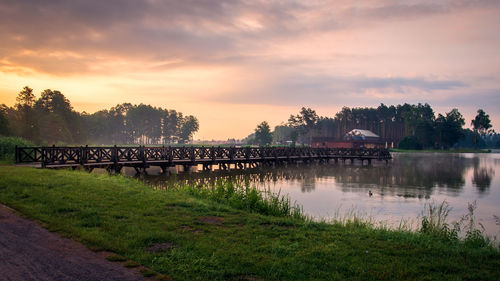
{"x":410,"y":143}
{"x":8,"y":146}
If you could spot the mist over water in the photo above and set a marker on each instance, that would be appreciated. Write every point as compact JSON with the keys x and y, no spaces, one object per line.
{"x":399,"y":190}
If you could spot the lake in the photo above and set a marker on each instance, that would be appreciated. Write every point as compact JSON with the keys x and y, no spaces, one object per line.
{"x":387,"y":194}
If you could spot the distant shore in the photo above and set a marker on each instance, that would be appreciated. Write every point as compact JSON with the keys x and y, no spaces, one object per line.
{"x":460,"y":150}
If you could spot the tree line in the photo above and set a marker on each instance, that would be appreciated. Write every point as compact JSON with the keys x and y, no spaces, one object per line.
{"x":412,"y":126}
{"x":51,"y":119}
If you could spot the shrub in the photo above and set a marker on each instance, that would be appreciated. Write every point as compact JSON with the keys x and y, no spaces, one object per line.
{"x":410,"y":143}
{"x":8,"y":146}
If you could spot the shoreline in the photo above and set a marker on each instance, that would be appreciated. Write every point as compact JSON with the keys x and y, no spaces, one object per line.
{"x":189,"y":236}
{"x":441,"y":151}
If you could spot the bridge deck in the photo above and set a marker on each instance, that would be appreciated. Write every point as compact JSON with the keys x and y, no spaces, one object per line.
{"x":142,"y":157}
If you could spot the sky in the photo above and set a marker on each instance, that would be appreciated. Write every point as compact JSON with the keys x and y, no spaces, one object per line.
{"x":234,"y":64}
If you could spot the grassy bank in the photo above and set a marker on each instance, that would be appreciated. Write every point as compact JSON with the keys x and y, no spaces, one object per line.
{"x":460,"y":150}
{"x":192,"y":235}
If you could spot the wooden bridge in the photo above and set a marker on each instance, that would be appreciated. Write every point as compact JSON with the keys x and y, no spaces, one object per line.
{"x":115,"y":158}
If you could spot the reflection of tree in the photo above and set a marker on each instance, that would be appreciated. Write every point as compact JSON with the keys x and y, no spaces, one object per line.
{"x":481,"y":177}
{"x":412,"y":176}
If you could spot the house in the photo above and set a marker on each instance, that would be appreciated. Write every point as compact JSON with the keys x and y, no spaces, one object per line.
{"x":356,"y":138}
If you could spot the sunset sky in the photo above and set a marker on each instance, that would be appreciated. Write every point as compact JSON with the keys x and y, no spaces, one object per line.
{"x":234,"y":64}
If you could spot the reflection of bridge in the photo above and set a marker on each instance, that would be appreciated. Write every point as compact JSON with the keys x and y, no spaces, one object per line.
{"x":114,"y":158}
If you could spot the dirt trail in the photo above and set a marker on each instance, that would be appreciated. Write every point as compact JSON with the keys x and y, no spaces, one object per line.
{"x":30,"y":252}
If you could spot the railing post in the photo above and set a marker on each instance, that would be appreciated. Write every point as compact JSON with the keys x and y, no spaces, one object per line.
{"x":231,"y":153}
{"x":170,"y":155}
{"x":44,"y":156}
{"x":53,"y":154}
{"x":85,"y":154}
{"x":81,"y":155}
{"x":143,"y":155}
{"x":114,"y":156}
{"x":193,"y":155}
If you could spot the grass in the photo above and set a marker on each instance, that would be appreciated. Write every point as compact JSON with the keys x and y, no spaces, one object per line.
{"x":459,"y":150}
{"x":249,"y":198}
{"x":210,"y":238}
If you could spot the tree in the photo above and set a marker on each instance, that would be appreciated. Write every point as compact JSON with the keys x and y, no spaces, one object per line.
{"x":25,"y":122}
{"x":171,"y":124}
{"x":481,"y":125}
{"x":263,"y":134}
{"x":54,"y":108}
{"x":189,"y":126}
{"x":304,"y":122}
{"x":4,"y":122}
{"x":26,"y":97}
{"x":282,"y":133}
{"x":449,"y":129}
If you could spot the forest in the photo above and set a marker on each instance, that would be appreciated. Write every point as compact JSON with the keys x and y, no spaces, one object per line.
{"x":50,"y":119}
{"x":408,"y":126}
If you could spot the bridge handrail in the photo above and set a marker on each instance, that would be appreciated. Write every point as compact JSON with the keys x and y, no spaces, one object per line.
{"x":53,"y":155}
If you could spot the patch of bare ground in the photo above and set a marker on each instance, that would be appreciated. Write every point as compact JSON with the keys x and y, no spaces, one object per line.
{"x":192,"y":230}
{"x":161,"y":247}
{"x":212,"y":220}
{"x":30,"y":252}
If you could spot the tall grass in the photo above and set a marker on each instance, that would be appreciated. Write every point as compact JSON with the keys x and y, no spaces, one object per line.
{"x":435,"y":223}
{"x":8,"y":147}
{"x":246,"y":197}
{"x":433,"y":219}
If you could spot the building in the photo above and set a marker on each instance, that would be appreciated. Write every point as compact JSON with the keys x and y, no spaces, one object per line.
{"x":356,"y":138}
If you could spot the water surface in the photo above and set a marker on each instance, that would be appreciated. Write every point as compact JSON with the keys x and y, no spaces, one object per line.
{"x":399,"y":190}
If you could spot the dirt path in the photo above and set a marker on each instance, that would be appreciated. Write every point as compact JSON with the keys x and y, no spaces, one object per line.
{"x":30,"y":252}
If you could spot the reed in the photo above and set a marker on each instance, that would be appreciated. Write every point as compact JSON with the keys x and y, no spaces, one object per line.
{"x":243,"y":196}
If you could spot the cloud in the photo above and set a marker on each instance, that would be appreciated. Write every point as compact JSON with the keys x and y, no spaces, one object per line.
{"x":150,"y":30}
{"x":335,"y":90}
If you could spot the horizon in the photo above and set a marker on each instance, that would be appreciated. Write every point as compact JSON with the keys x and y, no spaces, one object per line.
{"x":234,"y":64}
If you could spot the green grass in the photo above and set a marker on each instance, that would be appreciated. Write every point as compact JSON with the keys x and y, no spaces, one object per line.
{"x":460,"y":150}
{"x":241,"y":196}
{"x":213,"y":239}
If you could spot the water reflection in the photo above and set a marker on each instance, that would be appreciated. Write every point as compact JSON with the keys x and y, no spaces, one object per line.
{"x":408,"y":176}
{"x":399,"y":189}
{"x":482,"y":176}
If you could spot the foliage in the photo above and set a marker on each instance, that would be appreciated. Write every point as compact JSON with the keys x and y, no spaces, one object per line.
{"x":283,"y":133}
{"x":248,"y":198}
{"x":5,"y":129}
{"x":391,"y":123}
{"x":434,"y":221}
{"x":410,"y":142}
{"x":8,"y":146}
{"x":449,"y":128}
{"x":481,"y":125}
{"x":304,"y":123}
{"x":213,"y":241}
{"x":51,"y":119}
{"x":189,"y":125}
{"x":263,"y":134}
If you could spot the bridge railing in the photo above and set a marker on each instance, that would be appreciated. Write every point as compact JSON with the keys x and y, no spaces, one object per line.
{"x":115,"y":155}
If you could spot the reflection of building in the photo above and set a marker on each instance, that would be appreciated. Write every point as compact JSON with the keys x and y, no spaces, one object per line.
{"x":354,"y":139}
